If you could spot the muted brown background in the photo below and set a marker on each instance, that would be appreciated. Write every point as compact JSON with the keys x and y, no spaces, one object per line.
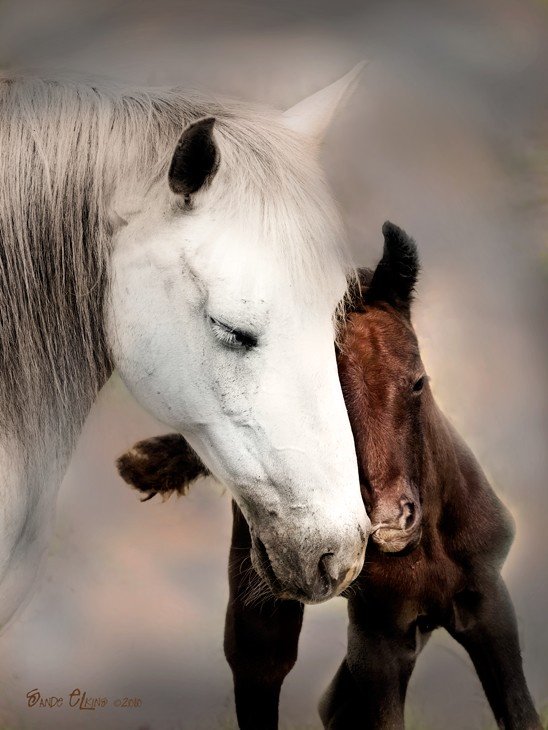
{"x":444,"y":137}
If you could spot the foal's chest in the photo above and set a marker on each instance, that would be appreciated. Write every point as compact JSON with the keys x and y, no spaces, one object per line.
{"x":421,"y":583}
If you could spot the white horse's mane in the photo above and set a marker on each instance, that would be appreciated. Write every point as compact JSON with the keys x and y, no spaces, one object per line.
{"x":68,"y":151}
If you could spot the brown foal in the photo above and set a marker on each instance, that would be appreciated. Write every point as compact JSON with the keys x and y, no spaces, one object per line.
{"x":440,"y":535}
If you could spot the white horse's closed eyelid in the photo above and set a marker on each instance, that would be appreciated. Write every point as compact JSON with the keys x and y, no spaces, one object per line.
{"x":232,"y":336}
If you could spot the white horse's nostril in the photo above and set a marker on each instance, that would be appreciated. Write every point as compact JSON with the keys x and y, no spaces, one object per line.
{"x":328,"y":566}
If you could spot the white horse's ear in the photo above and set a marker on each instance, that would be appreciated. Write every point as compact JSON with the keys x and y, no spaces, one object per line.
{"x":195,"y":160}
{"x":312,"y":116}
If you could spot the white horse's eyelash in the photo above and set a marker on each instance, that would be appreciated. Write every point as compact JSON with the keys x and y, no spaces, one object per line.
{"x":232,"y":337}
{"x":224,"y":333}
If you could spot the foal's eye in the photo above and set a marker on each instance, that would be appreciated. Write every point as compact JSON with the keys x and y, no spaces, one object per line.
{"x":418,"y":385}
{"x":232,"y":337}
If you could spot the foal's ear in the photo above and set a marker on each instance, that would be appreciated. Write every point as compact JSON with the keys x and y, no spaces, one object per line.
{"x":396,"y":274}
{"x":195,"y":160}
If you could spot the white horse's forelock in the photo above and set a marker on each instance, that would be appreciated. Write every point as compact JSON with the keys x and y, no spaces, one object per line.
{"x":68,"y":151}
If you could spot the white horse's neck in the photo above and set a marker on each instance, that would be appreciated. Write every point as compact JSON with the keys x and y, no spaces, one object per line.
{"x":29,"y":482}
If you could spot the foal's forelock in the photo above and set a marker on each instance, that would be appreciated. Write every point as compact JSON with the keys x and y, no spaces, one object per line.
{"x":77,"y":156}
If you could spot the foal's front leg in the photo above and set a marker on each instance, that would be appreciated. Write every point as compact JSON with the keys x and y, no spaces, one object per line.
{"x":485,"y":624}
{"x":261,"y":636}
{"x":368,"y":691}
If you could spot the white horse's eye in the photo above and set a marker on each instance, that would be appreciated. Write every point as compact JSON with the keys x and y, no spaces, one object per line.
{"x":232,"y":337}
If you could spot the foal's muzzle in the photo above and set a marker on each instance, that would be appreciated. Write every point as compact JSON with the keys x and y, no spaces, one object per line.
{"x":394,"y":534}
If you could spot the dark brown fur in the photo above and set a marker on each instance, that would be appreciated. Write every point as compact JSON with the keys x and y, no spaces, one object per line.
{"x":163,"y":465}
{"x":424,"y":487}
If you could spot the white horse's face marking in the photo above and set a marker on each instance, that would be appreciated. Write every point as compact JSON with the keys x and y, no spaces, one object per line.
{"x":216,"y":338}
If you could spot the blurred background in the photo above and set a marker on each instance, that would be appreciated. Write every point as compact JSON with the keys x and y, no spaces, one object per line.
{"x":446,"y":137}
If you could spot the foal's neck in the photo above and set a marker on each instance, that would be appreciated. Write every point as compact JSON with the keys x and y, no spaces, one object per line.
{"x":441,"y":473}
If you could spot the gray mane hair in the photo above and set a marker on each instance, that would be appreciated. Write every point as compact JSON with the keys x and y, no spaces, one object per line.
{"x":68,"y":151}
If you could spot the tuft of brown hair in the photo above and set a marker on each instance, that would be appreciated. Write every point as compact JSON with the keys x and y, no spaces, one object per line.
{"x":163,"y":465}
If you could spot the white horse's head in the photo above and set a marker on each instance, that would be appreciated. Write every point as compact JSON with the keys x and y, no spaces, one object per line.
{"x":224,"y":290}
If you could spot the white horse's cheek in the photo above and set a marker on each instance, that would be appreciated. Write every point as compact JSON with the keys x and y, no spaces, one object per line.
{"x":146,"y":328}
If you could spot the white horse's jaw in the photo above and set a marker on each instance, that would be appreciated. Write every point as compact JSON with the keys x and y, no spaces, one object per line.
{"x":291,"y":467}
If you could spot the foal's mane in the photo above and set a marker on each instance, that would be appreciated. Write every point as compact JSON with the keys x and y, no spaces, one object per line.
{"x":68,"y":151}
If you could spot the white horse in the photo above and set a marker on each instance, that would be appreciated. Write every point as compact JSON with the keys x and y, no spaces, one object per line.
{"x":193,"y":245}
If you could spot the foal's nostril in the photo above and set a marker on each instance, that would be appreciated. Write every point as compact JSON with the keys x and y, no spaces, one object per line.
{"x":408,"y":513}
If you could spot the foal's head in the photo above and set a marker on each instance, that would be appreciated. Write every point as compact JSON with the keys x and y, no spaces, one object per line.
{"x":384,"y":384}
